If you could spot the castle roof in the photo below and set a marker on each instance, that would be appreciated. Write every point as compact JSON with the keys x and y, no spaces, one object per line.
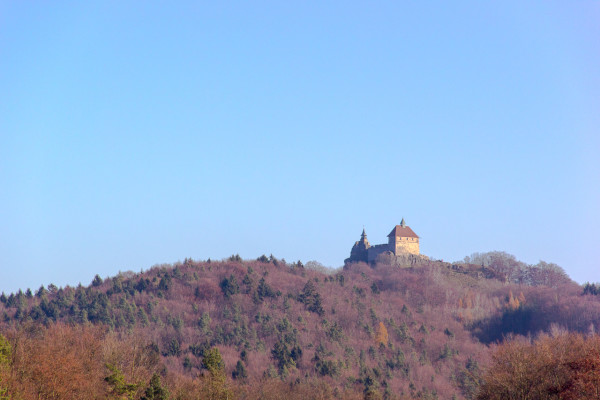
{"x":402,"y":231}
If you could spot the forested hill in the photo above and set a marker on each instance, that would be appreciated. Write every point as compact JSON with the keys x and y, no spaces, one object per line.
{"x":271,"y":329}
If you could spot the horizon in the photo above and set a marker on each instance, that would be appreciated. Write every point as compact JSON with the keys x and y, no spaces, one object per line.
{"x":138,"y":135}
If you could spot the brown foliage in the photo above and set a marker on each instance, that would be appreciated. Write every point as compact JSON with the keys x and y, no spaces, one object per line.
{"x":566,"y":366}
{"x":381,"y":335}
{"x":60,"y":362}
{"x":70,"y":362}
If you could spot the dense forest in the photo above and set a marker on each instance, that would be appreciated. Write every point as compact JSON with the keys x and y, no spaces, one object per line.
{"x":269,"y":329}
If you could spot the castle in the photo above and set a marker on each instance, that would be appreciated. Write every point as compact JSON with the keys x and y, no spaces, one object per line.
{"x":402,"y":241}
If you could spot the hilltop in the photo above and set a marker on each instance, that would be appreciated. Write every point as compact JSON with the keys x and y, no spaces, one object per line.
{"x":422,"y":331}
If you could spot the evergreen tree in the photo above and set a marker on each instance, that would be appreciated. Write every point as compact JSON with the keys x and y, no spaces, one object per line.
{"x":240,"y":371}
{"x":5,"y":358}
{"x":97,"y":281}
{"x":41,"y":291}
{"x":165,"y":283}
{"x":229,"y":286}
{"x":311,"y":298}
{"x":216,"y":386}
{"x":204,"y":323}
{"x":213,"y":361}
{"x":371,"y":391}
{"x":5,"y":351}
{"x":118,"y":386}
{"x":155,"y":391}
{"x":264,"y":290}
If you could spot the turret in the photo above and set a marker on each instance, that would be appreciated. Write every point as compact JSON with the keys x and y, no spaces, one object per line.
{"x":360,"y":249}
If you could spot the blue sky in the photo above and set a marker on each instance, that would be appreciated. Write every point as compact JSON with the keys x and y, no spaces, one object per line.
{"x":139,"y":133}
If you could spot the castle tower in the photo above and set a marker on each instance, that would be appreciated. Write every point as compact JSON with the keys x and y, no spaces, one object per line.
{"x":403,"y":240}
{"x":360,"y":249}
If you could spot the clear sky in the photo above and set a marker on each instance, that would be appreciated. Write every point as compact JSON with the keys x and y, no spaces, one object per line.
{"x":136,"y":133}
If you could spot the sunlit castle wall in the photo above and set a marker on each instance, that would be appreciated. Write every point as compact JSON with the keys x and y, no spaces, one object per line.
{"x":405,"y":245}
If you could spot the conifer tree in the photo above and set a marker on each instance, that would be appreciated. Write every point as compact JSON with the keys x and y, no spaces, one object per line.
{"x":240,"y":371}
{"x":5,"y":355}
{"x":216,"y":385}
{"x":117,"y":383}
{"x":155,"y":391}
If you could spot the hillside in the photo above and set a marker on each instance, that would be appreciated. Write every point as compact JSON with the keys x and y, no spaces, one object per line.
{"x":284,"y":329}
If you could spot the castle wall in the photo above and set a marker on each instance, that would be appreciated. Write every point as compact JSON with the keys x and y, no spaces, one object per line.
{"x":376,"y":250}
{"x":409,"y":246}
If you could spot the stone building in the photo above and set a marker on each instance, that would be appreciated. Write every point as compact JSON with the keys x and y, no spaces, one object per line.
{"x":402,"y":241}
